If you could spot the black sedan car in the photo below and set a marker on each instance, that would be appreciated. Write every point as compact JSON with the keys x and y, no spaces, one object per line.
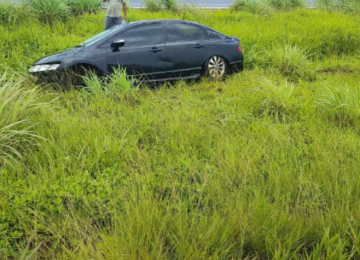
{"x":153,"y":50}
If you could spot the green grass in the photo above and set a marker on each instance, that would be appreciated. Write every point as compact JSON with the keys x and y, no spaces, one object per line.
{"x":266,"y":6}
{"x":156,"y":5}
{"x":262,"y":165}
{"x":345,"y":6}
{"x":342,"y":105}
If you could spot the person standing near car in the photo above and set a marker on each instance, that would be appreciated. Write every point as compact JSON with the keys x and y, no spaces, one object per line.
{"x":113,"y":13}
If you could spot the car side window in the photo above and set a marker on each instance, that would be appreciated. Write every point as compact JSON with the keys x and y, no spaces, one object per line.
{"x":177,"y":32}
{"x":142,"y":35}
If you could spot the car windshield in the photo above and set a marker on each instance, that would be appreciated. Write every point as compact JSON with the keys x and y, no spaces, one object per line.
{"x":100,"y":36}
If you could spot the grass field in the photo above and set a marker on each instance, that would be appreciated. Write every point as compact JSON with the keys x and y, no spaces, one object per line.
{"x":262,"y":165}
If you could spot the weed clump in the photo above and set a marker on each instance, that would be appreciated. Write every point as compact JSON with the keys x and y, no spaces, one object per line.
{"x":292,"y":62}
{"x":117,"y":82}
{"x":16,"y":126}
{"x":276,"y":99}
{"x":341,"y":105}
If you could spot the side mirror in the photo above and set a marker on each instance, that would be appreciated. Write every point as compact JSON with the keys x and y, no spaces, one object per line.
{"x":117,"y":44}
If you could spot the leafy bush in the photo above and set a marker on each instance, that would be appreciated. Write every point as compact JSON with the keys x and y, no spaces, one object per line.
{"x":341,"y":105}
{"x":16,"y":107}
{"x":292,"y":62}
{"x":49,"y":11}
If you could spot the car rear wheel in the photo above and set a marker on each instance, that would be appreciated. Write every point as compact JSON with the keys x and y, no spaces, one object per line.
{"x":216,"y":67}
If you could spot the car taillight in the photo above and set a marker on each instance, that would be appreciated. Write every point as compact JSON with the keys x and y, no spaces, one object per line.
{"x":239,"y":49}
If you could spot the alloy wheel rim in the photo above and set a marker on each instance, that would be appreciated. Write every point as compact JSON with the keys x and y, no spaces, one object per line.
{"x":216,"y":67}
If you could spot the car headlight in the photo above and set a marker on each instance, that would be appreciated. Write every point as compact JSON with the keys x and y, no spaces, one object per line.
{"x":43,"y":67}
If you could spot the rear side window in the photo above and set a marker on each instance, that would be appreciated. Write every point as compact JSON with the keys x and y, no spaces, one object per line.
{"x":142,"y":35}
{"x":213,"y":36}
{"x":177,"y":32}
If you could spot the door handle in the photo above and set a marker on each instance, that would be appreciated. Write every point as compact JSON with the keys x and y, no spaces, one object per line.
{"x":199,"y":46}
{"x":155,"y":50}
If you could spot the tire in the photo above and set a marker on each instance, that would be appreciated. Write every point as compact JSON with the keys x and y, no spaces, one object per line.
{"x":216,"y":68}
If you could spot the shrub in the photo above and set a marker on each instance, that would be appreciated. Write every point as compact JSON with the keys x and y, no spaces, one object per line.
{"x":341,"y":105}
{"x":84,"y":6}
{"x":16,"y":107}
{"x":275,"y":99}
{"x":292,"y":62}
{"x":49,"y":11}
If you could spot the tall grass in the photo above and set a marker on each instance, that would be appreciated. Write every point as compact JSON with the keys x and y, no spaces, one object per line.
{"x":200,"y":170}
{"x":14,"y":13}
{"x":49,"y":11}
{"x":277,"y":99}
{"x":341,"y":105}
{"x":16,"y":108}
{"x":291,"y":62}
{"x":116,"y":83}
{"x":252,"y":6}
{"x":155,"y":5}
{"x":346,"y":6}
{"x":152,"y":5}
{"x":266,"y":6}
{"x":84,"y":6}
{"x":46,"y":11}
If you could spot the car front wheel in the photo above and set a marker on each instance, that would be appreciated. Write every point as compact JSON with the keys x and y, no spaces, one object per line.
{"x":216,"y":67}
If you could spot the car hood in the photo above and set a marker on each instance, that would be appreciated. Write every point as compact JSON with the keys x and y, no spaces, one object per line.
{"x":63,"y":56}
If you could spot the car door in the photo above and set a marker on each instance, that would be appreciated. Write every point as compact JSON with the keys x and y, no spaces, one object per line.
{"x":184,"y":49}
{"x":142,"y":54}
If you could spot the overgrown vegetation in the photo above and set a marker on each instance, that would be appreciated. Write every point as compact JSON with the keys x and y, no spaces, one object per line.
{"x":346,"y":6}
{"x":262,"y":165}
{"x":342,"y":105}
{"x":266,"y":6}
{"x":156,"y":5}
{"x":47,"y":11}
{"x":16,"y":107}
